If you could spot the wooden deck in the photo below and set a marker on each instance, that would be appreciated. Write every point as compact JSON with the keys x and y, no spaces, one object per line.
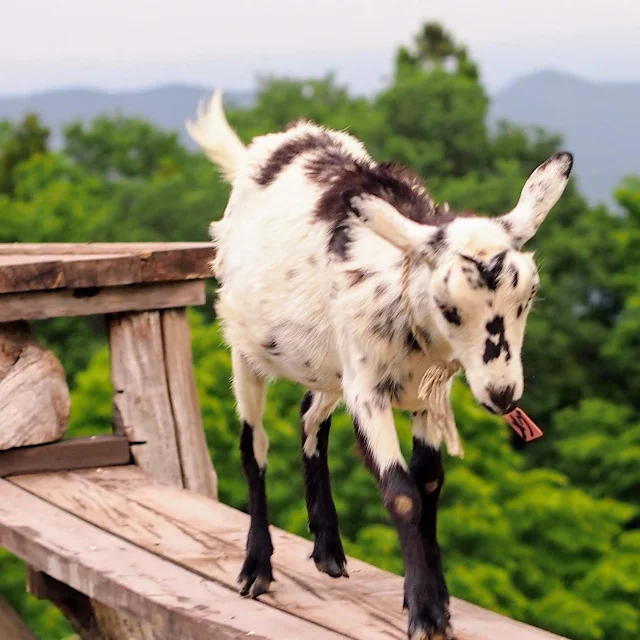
{"x":172,"y":556}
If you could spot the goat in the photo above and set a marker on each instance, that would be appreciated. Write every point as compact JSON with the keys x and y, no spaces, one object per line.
{"x":342,"y":275}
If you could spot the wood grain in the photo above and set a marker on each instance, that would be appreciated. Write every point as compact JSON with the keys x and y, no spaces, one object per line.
{"x":123,"y":576}
{"x":11,"y":625}
{"x":40,"y":305}
{"x":141,"y":405}
{"x":62,"y":266}
{"x":75,"y":453}
{"x":197,"y":469}
{"x":34,"y":396}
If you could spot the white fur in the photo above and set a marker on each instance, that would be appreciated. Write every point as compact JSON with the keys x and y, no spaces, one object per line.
{"x":293,"y":311}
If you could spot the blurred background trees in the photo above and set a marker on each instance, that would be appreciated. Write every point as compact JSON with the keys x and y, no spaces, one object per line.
{"x":548,"y":533}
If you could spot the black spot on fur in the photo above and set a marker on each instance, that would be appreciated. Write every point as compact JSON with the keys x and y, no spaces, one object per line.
{"x":495,"y":326}
{"x":450,"y":314}
{"x":520,"y":309}
{"x":272,"y":347}
{"x":356,"y":276}
{"x":514,"y":276}
{"x":493,"y":350}
{"x":411,"y":343}
{"x":287,"y":152}
{"x":291,"y":273}
{"x":312,"y":261}
{"x":388,"y":387}
{"x":439,"y":242}
{"x":339,"y":241}
{"x":506,"y":225}
{"x":489,"y":273}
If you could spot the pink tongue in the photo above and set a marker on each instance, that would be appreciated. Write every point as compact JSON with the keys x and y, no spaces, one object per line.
{"x":522,"y":424}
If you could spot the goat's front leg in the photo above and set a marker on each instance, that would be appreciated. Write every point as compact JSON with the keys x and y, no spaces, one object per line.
{"x":427,"y":472}
{"x":376,"y":433}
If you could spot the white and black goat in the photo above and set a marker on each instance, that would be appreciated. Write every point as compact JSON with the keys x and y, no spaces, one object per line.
{"x":312,"y":260}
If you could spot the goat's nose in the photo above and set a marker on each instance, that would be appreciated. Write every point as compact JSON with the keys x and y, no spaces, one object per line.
{"x":502,"y":398}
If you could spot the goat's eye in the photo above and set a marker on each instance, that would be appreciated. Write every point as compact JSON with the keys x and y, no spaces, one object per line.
{"x":451,"y":314}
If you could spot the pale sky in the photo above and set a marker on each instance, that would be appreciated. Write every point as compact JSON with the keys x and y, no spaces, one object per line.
{"x":131,"y":43}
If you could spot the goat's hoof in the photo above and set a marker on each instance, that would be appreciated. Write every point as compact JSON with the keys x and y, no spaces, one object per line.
{"x":428,"y":614}
{"x":332,"y":567}
{"x":256,"y":576}
{"x":328,"y":555}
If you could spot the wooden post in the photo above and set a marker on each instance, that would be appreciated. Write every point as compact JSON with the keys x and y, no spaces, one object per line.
{"x":34,"y":397}
{"x":11,"y":624}
{"x":197,"y":469}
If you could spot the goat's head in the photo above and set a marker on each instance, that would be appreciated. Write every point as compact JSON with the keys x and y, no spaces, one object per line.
{"x":481,"y":285}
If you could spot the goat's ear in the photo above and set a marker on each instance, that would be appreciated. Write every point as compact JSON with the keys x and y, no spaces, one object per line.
{"x":541,"y":191}
{"x":390,"y":224}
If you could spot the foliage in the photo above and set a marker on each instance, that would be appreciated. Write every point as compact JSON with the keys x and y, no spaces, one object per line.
{"x":548,"y":533}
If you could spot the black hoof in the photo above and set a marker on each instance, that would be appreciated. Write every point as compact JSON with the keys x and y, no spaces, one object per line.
{"x":329,"y":557}
{"x":428,"y":613}
{"x":256,"y":576}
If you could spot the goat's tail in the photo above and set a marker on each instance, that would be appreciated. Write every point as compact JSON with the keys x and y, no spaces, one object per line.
{"x":216,"y":137}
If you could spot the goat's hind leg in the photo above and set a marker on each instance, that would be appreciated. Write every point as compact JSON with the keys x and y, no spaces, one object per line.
{"x":249,"y":389}
{"x":315,"y":414}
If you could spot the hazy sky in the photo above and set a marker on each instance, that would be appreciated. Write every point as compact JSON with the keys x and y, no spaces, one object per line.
{"x":128,"y":43}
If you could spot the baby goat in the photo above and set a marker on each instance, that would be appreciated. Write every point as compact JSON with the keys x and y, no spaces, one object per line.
{"x":341,"y":274}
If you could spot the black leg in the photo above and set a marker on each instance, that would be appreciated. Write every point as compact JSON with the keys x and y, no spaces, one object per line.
{"x":328,"y":553}
{"x":256,"y":574}
{"x":428,"y":474}
{"x":423,"y":596}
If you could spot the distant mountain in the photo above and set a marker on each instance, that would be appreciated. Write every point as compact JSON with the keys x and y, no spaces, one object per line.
{"x":597,"y":120}
{"x":167,"y":106}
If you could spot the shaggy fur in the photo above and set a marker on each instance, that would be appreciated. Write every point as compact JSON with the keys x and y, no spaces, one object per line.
{"x":309,"y":259}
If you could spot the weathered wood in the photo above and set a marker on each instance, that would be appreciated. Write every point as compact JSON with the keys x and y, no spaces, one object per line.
{"x":11,"y":625}
{"x":61,"y":266}
{"x":75,"y":606}
{"x":40,"y":305}
{"x":209,"y":538}
{"x":34,"y":396}
{"x":197,"y":469}
{"x":141,"y":405}
{"x":75,"y":453}
{"x":108,"y":569}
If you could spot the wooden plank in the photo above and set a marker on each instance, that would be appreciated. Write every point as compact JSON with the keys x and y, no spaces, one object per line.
{"x":11,"y":625}
{"x":197,"y":469}
{"x":121,"y":575}
{"x":141,"y":405}
{"x":75,"y":453}
{"x":84,"y":248}
{"x":34,"y":396}
{"x":82,"y":302}
{"x":44,"y":267}
{"x":209,"y":538}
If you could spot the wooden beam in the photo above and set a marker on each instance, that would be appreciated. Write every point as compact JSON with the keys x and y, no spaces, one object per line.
{"x":46,"y":267}
{"x":75,"y":606}
{"x":197,"y":469}
{"x":12,"y":626}
{"x":75,"y":453}
{"x":84,"y":302}
{"x":108,"y":569}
